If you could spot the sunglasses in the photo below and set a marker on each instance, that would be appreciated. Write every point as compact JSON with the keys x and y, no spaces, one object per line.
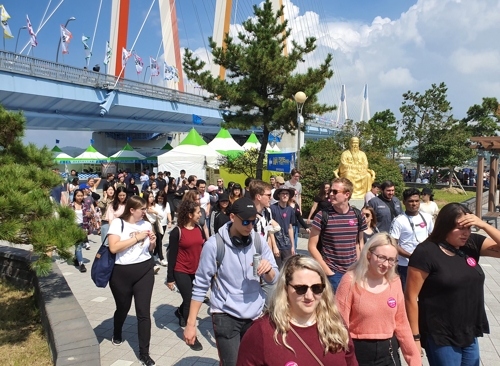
{"x":367,"y":214}
{"x":302,"y":289}
{"x":335,"y":191}
{"x":267,"y":194}
{"x":247,"y":222}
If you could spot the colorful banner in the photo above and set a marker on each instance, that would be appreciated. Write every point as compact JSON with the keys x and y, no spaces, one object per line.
{"x":108,"y":54}
{"x":139,"y":65}
{"x":170,"y":72}
{"x":125,"y":56}
{"x":33,"y":40}
{"x":4,"y":16}
{"x":65,"y":39}
{"x":155,"y":68}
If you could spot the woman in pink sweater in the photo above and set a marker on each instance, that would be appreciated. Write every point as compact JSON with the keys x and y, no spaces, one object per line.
{"x":371,"y":301}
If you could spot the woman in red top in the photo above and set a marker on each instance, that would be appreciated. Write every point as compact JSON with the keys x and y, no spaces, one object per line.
{"x":303,"y":325}
{"x":184,"y":251}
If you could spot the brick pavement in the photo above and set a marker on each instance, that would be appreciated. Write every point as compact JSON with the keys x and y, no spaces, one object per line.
{"x":167,"y":346}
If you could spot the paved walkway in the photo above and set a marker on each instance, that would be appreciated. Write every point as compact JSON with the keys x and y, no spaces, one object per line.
{"x":167,"y":345}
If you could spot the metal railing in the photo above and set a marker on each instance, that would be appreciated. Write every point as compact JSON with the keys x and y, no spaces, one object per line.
{"x":31,"y":66}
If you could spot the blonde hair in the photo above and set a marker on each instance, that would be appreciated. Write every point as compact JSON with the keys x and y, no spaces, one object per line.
{"x":360,"y":268}
{"x":346,"y":183}
{"x":333,"y":334}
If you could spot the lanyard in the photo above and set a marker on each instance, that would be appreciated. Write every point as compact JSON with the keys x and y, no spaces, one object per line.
{"x":413,"y":226}
{"x":471,"y":262}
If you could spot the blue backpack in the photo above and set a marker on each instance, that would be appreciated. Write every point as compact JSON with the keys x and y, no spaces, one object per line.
{"x":103,"y":265}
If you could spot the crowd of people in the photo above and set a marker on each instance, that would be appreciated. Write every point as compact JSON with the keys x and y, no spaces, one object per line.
{"x":378,"y":282}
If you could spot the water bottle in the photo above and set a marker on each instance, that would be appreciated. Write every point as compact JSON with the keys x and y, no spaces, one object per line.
{"x":256,"y":261}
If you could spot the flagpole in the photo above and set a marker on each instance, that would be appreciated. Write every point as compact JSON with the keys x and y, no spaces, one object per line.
{"x":93,"y":37}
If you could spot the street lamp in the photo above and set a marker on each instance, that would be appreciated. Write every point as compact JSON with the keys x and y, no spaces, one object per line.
{"x":17,"y":40}
{"x":59,"y":43}
{"x":300,"y":98}
{"x":145,"y":72}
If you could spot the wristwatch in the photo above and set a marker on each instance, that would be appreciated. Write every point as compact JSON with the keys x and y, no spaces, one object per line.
{"x":416,"y":337}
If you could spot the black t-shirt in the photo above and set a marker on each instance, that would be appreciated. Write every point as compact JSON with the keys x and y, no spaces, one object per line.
{"x":162,"y":183}
{"x":451,"y":301}
{"x":323,"y":204}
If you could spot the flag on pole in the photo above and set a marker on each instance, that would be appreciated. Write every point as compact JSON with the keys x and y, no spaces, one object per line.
{"x":3,"y":19}
{"x":175,"y":72}
{"x":57,"y":141}
{"x":86,"y":47}
{"x":170,"y":72}
{"x":154,"y":67}
{"x":65,"y":39}
{"x":196,"y":120}
{"x":125,"y":56}
{"x":108,"y":54}
{"x":139,"y":65}
{"x":33,"y":41}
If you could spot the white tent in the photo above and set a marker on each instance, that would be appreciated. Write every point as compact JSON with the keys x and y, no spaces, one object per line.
{"x":193,"y":155}
{"x":224,"y":143}
{"x":252,"y":142}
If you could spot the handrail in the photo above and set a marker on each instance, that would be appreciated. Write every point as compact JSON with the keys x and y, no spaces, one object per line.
{"x":31,"y":66}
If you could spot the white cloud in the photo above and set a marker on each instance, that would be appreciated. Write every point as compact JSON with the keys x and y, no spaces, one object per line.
{"x":470,"y":62}
{"x":396,"y":78}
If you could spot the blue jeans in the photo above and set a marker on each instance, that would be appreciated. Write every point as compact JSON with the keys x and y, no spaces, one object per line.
{"x":403,"y":274}
{"x":78,"y":253}
{"x":451,"y":355}
{"x":295,"y":236}
{"x":335,"y":280}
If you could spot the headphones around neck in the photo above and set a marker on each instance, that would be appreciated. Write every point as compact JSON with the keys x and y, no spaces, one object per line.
{"x":242,"y":242}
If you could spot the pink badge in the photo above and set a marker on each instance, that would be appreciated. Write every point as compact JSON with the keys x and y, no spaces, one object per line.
{"x":284,"y":215}
{"x":471,"y":262}
{"x":422,"y":224}
{"x":291,"y":363}
{"x":351,"y":222}
{"x":391,"y":302}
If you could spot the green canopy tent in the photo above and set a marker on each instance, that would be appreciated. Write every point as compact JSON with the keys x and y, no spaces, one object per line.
{"x":252,"y":142}
{"x":61,"y":157}
{"x":224,"y":144}
{"x":127,"y":155}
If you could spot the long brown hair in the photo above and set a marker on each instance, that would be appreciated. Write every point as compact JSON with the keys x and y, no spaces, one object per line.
{"x":136,"y":203}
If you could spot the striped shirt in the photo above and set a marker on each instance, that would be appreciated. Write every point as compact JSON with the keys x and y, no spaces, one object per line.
{"x":339,"y":238}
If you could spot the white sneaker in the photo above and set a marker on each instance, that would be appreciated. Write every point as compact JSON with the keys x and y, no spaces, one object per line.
{"x":164,"y":262}
{"x":156,"y":269}
{"x":86,"y":246}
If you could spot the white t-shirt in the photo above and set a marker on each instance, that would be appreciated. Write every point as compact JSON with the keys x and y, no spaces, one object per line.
{"x":368,"y":196}
{"x":430,"y":208}
{"x":204,"y":200}
{"x":143,"y":178}
{"x":410,"y":231}
{"x":163,"y":213}
{"x":297,"y":186}
{"x":79,"y":216}
{"x":263,"y":223}
{"x":137,"y":253}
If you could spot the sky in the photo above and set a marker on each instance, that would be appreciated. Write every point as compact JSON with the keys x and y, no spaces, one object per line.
{"x":391,"y":45}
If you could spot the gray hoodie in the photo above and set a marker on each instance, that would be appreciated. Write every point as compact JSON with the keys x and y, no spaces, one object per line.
{"x":236,"y":291}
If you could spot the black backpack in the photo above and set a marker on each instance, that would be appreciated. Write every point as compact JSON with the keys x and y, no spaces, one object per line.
{"x":324,"y":222}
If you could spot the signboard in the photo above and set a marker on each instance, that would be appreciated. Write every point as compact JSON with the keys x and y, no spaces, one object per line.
{"x":281,"y":162}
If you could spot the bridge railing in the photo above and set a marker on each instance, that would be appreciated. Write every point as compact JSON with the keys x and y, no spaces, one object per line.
{"x":31,"y":66}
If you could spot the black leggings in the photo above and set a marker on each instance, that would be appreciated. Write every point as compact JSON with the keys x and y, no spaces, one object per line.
{"x":370,"y":352}
{"x":133,"y":280}
{"x":184,"y":282}
{"x":159,"y":247}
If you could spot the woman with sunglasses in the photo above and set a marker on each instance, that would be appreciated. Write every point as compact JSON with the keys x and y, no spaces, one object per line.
{"x":184,"y":251}
{"x":445,"y":277}
{"x":371,"y":223}
{"x":132,"y":239}
{"x":321,"y":201}
{"x":371,"y":301}
{"x":302,"y":326}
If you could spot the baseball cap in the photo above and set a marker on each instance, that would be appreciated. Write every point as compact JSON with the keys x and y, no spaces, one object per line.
{"x":211,"y":188}
{"x":280,"y":179}
{"x":84,"y":186}
{"x":244,"y":208}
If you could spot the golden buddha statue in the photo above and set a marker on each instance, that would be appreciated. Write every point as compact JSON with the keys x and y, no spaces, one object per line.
{"x":354,"y":166}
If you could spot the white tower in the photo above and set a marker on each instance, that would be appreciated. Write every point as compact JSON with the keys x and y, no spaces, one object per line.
{"x":342,"y":106}
{"x":365,"y":106}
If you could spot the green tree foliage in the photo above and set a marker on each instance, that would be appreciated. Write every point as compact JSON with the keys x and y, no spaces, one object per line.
{"x":245,"y":163}
{"x":448,"y":146}
{"x":380,"y":133}
{"x":423,"y":113}
{"x":321,"y":158}
{"x":27,"y":216}
{"x":260,"y":78}
{"x":483,"y":120}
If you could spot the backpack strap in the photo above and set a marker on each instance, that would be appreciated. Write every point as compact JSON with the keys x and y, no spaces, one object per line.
{"x":219,"y":256}
{"x":324,"y":220}
{"x":357,"y":212}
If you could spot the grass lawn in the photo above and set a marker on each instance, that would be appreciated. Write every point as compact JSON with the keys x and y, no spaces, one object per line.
{"x":22,"y":339}
{"x":442,"y":197}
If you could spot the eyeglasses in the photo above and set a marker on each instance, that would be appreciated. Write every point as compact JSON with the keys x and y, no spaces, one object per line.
{"x":284,"y":194}
{"x":247,"y":222}
{"x":302,"y":289}
{"x":335,"y":191}
{"x":382,"y":258}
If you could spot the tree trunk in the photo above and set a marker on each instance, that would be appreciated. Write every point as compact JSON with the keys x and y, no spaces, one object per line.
{"x":450,"y":182}
{"x":417,"y":172}
{"x":262,"y":153}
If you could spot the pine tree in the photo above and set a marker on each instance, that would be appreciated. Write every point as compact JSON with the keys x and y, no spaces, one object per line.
{"x":27,"y":215}
{"x":260,"y":78}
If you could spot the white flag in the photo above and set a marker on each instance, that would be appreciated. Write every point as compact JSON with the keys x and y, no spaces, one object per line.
{"x":86,"y":47}
{"x":138,"y":63}
{"x":125,"y":56}
{"x":3,"y":19}
{"x":65,"y":39}
{"x":154,"y":67}
{"x":108,"y":54}
{"x":170,"y":72}
{"x":33,"y":41}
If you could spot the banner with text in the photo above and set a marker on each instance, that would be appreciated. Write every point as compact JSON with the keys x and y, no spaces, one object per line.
{"x":281,"y":162}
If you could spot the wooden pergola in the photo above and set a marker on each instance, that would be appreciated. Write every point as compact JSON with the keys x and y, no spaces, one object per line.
{"x":482,"y":144}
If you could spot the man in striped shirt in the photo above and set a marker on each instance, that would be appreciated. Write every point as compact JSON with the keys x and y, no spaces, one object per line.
{"x":342,"y":237}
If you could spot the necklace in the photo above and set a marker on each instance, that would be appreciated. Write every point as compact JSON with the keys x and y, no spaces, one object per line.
{"x":299,"y":324}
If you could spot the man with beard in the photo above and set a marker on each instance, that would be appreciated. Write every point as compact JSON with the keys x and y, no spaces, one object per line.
{"x":386,"y":206}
